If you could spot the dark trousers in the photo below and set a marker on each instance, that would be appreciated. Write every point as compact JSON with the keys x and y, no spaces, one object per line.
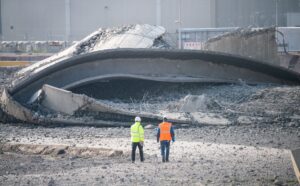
{"x":134,"y":145}
{"x":165,"y":149}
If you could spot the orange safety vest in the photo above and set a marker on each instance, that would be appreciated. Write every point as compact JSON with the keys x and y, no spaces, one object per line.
{"x":165,"y":131}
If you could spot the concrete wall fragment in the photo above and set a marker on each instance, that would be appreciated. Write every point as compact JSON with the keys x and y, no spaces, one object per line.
{"x":66,"y":102}
{"x":295,"y":155}
{"x":257,"y":44}
{"x":15,"y":109}
{"x":62,"y":100}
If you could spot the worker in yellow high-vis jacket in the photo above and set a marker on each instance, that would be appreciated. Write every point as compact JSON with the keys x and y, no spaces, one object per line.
{"x":137,"y":138}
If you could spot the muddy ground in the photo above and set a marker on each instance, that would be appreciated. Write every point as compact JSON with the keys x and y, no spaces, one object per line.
{"x":253,"y":150}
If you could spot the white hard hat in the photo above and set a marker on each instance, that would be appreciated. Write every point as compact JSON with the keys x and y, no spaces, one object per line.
{"x":165,"y":117}
{"x":138,"y":119}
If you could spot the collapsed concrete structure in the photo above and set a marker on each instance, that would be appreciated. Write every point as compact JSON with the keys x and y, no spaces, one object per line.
{"x":295,"y":155}
{"x":153,"y":65}
{"x":257,"y":43}
{"x":41,"y":92}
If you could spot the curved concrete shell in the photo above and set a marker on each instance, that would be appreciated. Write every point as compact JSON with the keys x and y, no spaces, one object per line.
{"x":150,"y":64}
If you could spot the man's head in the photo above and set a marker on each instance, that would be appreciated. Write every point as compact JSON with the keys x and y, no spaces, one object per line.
{"x":165,"y":118}
{"x":137,"y":119}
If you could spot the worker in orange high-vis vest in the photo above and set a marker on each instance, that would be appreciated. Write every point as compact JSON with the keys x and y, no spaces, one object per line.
{"x":165,"y":134}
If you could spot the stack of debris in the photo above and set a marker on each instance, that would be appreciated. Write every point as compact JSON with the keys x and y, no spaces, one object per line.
{"x":132,"y":36}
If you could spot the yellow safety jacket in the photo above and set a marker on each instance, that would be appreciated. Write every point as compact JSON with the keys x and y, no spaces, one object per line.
{"x":137,"y":132}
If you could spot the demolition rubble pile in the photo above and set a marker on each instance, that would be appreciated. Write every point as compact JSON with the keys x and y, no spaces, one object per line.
{"x":256,"y":152}
{"x":217,"y":104}
{"x":201,"y":88}
{"x":6,"y":76}
{"x":220,"y":104}
{"x":132,"y":36}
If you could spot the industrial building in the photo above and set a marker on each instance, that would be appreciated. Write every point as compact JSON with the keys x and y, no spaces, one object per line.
{"x":70,"y":20}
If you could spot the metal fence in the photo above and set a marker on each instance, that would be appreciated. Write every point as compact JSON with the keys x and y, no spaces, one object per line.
{"x":288,"y":39}
{"x":194,"y":38}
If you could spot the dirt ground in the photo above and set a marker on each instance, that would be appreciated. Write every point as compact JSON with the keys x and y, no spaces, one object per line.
{"x":208,"y":155}
{"x":254,"y":149}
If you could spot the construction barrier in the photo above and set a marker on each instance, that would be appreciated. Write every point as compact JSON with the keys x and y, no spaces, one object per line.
{"x":14,"y":63}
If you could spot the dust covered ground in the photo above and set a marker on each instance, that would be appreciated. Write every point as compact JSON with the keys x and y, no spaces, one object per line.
{"x":252,"y":150}
{"x":212,"y":155}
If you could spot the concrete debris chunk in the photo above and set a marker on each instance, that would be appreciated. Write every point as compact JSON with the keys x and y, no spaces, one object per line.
{"x":295,"y":155}
{"x":131,"y":36}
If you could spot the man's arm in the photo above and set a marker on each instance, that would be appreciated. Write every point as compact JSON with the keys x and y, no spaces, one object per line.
{"x":157,"y":134}
{"x":141,"y":133}
{"x":172,"y":134}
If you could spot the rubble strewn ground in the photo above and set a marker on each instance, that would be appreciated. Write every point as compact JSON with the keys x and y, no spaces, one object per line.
{"x":252,"y":150}
{"x":183,"y":99}
{"x":238,"y":155}
{"x":235,"y":103}
{"x":6,"y":75}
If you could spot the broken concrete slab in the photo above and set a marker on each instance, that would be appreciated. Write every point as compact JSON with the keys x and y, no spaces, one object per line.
{"x":256,"y":43}
{"x":58,"y":150}
{"x":15,"y":109}
{"x":264,"y":44}
{"x":66,"y":102}
{"x":63,"y":101}
{"x":130,"y":36}
{"x":295,"y":155}
{"x":182,"y":66}
{"x":209,"y":119}
{"x":21,"y":113}
{"x":192,"y":103}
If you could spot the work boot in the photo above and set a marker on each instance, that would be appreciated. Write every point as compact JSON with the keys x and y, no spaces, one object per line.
{"x":163,"y":159}
{"x":167,"y":160}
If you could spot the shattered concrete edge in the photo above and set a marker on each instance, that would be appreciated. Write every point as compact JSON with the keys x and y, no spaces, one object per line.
{"x":12,"y":108}
{"x":243,"y":32}
{"x":295,"y":156}
{"x":63,"y":101}
{"x":207,"y":57}
{"x":256,"y":43}
{"x":90,"y":105}
{"x":130,"y":36}
{"x":20,"y":113}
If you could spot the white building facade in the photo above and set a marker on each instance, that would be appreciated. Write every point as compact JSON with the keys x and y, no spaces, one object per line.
{"x":70,"y":20}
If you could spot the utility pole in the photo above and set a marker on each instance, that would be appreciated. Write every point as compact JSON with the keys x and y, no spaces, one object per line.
{"x":68,"y":20}
{"x":0,"y":23}
{"x":158,"y":12}
{"x":179,"y":23}
{"x":276,"y":13}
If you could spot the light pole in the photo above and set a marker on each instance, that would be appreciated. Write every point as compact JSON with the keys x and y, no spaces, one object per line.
{"x":179,"y":23}
{"x":158,"y":12}
{"x":276,"y":13}
{"x":68,"y":20}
